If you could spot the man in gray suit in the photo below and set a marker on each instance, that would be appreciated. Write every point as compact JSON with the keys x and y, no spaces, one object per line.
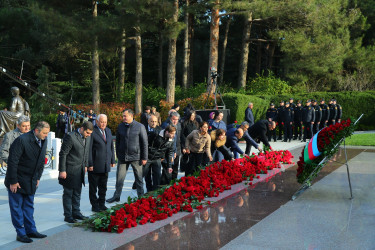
{"x":73,"y":165}
{"x":23,"y":126}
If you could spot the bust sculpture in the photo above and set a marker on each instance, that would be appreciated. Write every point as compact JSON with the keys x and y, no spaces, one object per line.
{"x":17,"y":108}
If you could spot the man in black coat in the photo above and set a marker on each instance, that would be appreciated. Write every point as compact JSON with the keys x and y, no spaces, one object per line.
{"x":145,"y":116}
{"x":339,"y":111}
{"x":101,"y":159}
{"x":318,"y":116}
{"x":325,"y":114}
{"x":25,"y":168}
{"x":287,"y":117}
{"x":308,"y":117}
{"x":332,"y":113}
{"x":160,"y":146}
{"x":73,"y":165}
{"x":298,"y":121}
{"x":260,"y":130}
{"x":271,"y":115}
{"x":280,"y":124}
{"x":131,"y":149}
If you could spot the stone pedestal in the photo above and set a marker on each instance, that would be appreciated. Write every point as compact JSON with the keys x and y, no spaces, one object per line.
{"x":50,"y":137}
{"x":56,"y":144}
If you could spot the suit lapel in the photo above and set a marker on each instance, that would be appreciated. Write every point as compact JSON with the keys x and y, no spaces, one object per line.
{"x":97,"y":130}
{"x":79,"y":138}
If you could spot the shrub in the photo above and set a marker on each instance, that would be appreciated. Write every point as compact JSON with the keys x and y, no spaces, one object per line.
{"x":269,"y":85}
{"x":112,"y":110}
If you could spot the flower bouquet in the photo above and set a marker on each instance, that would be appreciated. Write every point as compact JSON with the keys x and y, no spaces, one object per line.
{"x":322,"y":146}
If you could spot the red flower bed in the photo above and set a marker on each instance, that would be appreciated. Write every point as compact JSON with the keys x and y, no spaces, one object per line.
{"x":188,"y":192}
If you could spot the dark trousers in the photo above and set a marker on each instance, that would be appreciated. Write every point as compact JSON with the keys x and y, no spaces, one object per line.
{"x":122,"y":169}
{"x":331,"y":122}
{"x":307,"y":132}
{"x":195,"y":161}
{"x":22,"y":212}
{"x":316,"y":127}
{"x":297,"y":130}
{"x":175,"y":165}
{"x":281,"y":128}
{"x":166,"y":177}
{"x":71,"y":201}
{"x":272,"y":133}
{"x":97,"y":184}
{"x":322,"y":125}
{"x":287,"y":131}
{"x":152,"y":174}
{"x":248,"y":148}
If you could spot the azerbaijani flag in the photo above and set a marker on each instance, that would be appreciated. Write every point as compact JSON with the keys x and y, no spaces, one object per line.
{"x":311,"y":151}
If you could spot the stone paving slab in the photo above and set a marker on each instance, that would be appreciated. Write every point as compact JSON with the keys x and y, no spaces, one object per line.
{"x":323,"y":217}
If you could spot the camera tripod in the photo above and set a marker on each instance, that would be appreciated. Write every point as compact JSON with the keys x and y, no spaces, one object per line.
{"x":214,"y":85}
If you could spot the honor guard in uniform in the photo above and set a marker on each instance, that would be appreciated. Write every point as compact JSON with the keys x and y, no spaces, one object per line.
{"x":308,"y":117}
{"x":287,"y":118}
{"x":280,"y":110}
{"x":298,"y":121}
{"x":318,"y":116}
{"x":292,"y":104}
{"x":325,"y":114}
{"x":339,"y":111}
{"x":332,"y":113}
{"x":271,"y":115}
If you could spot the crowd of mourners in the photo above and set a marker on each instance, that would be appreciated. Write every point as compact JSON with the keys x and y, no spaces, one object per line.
{"x":157,"y":151}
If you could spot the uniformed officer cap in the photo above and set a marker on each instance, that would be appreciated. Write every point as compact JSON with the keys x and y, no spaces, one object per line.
{"x":281,"y":101}
{"x":308,"y":100}
{"x":271,"y":104}
{"x":321,"y":99}
{"x":291,"y":98}
{"x":299,"y":102}
{"x":313,"y":100}
{"x":333,"y":99}
{"x":287,"y":103}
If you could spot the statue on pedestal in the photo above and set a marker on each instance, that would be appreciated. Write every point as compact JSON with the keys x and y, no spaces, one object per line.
{"x":18,"y":107}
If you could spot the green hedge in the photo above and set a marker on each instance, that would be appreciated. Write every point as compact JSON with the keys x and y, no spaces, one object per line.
{"x":353,"y":104}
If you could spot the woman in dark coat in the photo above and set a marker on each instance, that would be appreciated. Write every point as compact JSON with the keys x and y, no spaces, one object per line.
{"x":218,"y":149}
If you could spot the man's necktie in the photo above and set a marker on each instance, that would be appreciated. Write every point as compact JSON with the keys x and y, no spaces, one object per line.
{"x":39,"y":142}
{"x":103,"y":134}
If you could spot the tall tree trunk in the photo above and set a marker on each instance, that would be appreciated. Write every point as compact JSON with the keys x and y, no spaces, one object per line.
{"x":95,"y":65}
{"x":138,"y":73}
{"x":214,"y":43}
{"x":259,"y":57}
{"x":225,"y":42}
{"x":185,"y":69}
{"x":191,"y":58}
{"x":242,"y":76}
{"x":121,"y":78}
{"x":160,"y":59}
{"x":171,"y":77}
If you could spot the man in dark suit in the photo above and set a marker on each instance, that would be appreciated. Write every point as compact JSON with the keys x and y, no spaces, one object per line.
{"x":25,"y":167}
{"x":101,"y":159}
{"x":131,"y":149}
{"x":73,"y":164}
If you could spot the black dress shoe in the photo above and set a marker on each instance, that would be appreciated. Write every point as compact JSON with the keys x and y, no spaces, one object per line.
{"x":103,"y":208}
{"x":24,"y":239}
{"x":36,"y":235}
{"x":95,"y":209}
{"x":113,"y":199}
{"x":70,"y":220}
{"x":80,"y":217}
